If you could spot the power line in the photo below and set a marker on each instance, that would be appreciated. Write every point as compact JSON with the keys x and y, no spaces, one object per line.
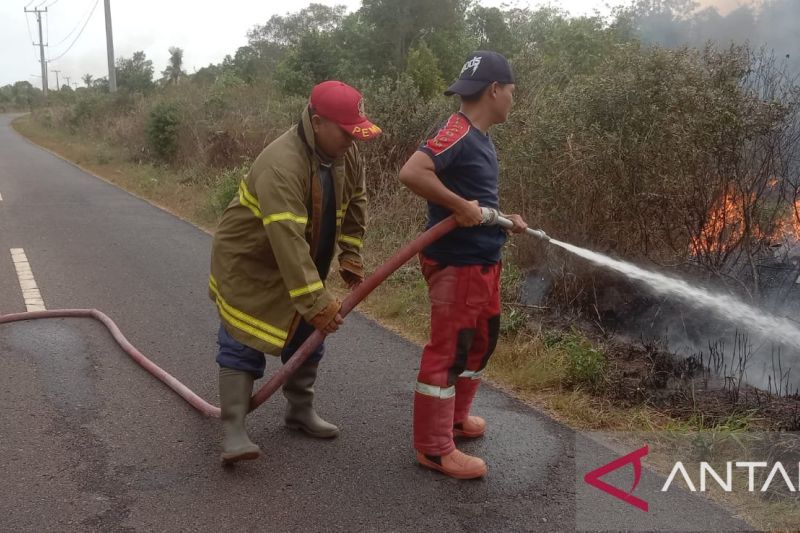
{"x":67,"y":36}
{"x":29,"y":4}
{"x":30,"y":35}
{"x":79,"y":33}
{"x":28,"y":24}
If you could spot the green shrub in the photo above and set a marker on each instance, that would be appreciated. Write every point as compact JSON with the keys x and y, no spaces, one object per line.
{"x":423,"y":67}
{"x":162,"y":130}
{"x":586,"y":364}
{"x":511,"y":279}
{"x":225,"y":187}
{"x":513,"y":319}
{"x":82,"y":113}
{"x":45,"y":117}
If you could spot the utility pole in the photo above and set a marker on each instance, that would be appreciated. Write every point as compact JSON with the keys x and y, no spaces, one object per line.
{"x":58,"y":87}
{"x":112,"y":72}
{"x":41,"y":45}
{"x":68,"y":83}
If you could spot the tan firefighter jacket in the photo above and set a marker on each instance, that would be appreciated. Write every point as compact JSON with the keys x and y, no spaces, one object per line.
{"x":263,"y":276}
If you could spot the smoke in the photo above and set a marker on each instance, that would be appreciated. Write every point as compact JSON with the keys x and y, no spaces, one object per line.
{"x":772,"y":24}
{"x":726,"y":6}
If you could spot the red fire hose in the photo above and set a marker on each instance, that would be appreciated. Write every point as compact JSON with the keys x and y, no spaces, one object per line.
{"x":194,"y":400}
{"x":302,"y":353}
{"x":359,"y":293}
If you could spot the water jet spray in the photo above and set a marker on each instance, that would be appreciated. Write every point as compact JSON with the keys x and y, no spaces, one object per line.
{"x":729,"y":307}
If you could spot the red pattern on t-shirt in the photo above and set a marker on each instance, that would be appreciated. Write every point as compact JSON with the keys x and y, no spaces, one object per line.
{"x":455,"y":130}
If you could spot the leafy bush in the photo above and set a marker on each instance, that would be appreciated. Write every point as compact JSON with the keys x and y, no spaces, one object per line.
{"x":82,"y":112}
{"x":423,"y":67}
{"x":162,"y":130}
{"x":513,"y":320}
{"x":225,"y":187}
{"x":585,"y":364}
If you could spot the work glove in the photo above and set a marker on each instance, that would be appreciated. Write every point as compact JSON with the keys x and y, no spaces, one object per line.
{"x":352,"y":273}
{"x":328,"y":320}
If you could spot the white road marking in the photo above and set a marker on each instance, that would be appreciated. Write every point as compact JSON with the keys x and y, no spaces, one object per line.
{"x":30,"y":292}
{"x":1,"y":197}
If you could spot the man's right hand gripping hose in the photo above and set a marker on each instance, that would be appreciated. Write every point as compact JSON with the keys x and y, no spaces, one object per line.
{"x":328,"y":320}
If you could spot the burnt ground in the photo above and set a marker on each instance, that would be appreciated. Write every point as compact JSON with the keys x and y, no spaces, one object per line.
{"x":642,"y":372}
{"x":712,"y":377}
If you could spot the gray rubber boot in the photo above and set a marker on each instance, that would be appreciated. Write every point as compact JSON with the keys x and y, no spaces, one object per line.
{"x":235,"y":388}
{"x":300,"y":414}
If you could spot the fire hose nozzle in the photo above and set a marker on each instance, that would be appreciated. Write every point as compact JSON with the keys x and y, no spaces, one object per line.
{"x":492,"y":217}
{"x":538,"y":233}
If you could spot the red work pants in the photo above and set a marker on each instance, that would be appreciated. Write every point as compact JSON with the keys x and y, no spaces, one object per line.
{"x":465,"y":322}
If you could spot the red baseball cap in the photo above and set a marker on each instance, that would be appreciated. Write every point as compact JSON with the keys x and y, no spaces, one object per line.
{"x":343,"y":105}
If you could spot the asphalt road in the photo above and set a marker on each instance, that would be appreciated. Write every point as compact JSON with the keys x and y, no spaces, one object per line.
{"x":90,"y":442}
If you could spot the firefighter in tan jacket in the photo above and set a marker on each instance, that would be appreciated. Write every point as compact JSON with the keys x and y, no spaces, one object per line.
{"x":272,"y":251}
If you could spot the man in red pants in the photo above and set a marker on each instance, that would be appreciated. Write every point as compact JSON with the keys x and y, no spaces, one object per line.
{"x":457,"y":173}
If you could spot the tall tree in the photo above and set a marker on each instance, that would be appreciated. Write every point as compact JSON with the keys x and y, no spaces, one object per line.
{"x":135,"y":74}
{"x":24,"y":94}
{"x":309,"y":62}
{"x":249,"y":64}
{"x":174,"y":71}
{"x":100,"y":84}
{"x":87,"y":79}
{"x":289,"y":29}
{"x":396,"y":25}
{"x":488,"y":28}
{"x":296,"y":48}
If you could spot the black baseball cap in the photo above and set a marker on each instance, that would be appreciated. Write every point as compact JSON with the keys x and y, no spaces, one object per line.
{"x":481,"y":68}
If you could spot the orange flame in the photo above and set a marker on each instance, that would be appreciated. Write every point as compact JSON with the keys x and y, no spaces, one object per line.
{"x":789,"y":228}
{"x":725,"y":225}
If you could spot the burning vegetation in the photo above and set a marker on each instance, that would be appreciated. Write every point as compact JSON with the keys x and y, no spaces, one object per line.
{"x":730,"y":220}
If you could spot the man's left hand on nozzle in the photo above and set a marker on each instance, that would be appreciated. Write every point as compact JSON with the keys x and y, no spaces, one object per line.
{"x":519,"y":224}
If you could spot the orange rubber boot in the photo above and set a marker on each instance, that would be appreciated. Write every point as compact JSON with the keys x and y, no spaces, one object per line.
{"x":471,"y":428}
{"x":455,"y":464}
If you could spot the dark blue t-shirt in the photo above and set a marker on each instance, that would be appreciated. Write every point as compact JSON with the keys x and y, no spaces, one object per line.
{"x":466,"y":162}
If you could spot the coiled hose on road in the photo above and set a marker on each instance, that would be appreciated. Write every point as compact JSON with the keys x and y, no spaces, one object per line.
{"x":302,"y":353}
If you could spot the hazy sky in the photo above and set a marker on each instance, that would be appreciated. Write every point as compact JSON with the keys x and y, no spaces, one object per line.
{"x":205,"y":30}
